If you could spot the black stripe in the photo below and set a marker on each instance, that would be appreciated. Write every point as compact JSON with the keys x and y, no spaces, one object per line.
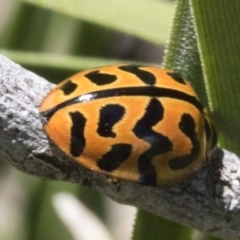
{"x":112,"y":159}
{"x":126,"y":91}
{"x":99,"y":78}
{"x":187,"y":125}
{"x":144,"y":75}
{"x":159,"y":144}
{"x":109,"y":115}
{"x":177,"y":77}
{"x":68,"y":87}
{"x":78,"y":141}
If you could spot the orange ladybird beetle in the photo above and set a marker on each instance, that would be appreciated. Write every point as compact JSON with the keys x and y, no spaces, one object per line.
{"x":133,"y":123}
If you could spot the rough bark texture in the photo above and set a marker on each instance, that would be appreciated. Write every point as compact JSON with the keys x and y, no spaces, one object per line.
{"x":208,"y":202}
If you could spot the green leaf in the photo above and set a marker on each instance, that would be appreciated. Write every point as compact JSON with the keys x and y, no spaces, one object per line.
{"x":151,"y":227}
{"x":60,"y":61}
{"x":57,"y":61}
{"x":182,"y":53}
{"x":145,"y":19}
{"x":217,"y":27}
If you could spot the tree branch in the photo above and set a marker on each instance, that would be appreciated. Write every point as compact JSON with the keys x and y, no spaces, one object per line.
{"x":208,"y":202}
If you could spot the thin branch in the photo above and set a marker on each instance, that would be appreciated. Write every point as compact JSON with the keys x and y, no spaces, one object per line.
{"x":208,"y":202}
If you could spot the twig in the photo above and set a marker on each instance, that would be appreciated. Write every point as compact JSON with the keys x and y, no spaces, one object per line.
{"x":208,"y":202}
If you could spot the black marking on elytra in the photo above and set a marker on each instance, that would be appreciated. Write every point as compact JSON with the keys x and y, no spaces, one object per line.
{"x":78,"y":141}
{"x":177,"y":77}
{"x":100,"y":78}
{"x":144,"y":75}
{"x":115,"y":157}
{"x":126,"y":91}
{"x":159,"y":144}
{"x":68,"y":87}
{"x":187,"y":126}
{"x":109,"y":115}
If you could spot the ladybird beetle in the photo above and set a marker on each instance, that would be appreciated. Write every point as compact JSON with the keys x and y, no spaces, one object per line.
{"x":134,"y":123}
